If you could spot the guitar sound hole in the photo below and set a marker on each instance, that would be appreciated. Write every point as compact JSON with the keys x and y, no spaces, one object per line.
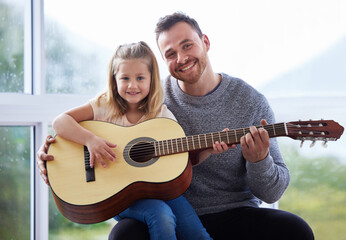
{"x":142,"y":152}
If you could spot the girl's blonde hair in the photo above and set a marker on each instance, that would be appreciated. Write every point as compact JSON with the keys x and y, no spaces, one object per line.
{"x":151,"y":105}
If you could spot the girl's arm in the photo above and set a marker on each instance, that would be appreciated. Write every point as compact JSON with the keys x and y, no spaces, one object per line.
{"x":66,"y":125}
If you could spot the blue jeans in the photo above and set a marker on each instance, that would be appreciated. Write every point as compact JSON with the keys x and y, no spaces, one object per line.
{"x":168,"y":219}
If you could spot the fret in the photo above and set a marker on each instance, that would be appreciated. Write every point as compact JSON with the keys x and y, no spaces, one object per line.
{"x":274,"y":129}
{"x":286,"y":131}
{"x":187,"y":143}
{"x":182,"y":145}
{"x":199,"y":141}
{"x":172,"y":146}
{"x":176,"y":142}
{"x":244,"y":131}
{"x":167,"y":147}
{"x":233,"y":138}
{"x":193,"y":143}
{"x":212,"y":138}
{"x":163,"y":148}
{"x":206,"y":143}
{"x":227,"y":137}
{"x":235,"y":134}
{"x":220,"y":137}
{"x":155,"y":148}
{"x":158,"y":143}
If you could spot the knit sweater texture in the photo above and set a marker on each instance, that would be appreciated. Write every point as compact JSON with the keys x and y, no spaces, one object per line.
{"x":226,"y":181}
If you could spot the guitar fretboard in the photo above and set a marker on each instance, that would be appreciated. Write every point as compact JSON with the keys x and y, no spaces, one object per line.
{"x":204,"y":141}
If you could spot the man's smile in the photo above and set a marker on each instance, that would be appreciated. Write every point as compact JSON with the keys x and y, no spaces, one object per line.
{"x":187,"y":67}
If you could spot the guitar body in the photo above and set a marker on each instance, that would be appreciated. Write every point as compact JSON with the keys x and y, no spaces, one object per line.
{"x":121,"y":182}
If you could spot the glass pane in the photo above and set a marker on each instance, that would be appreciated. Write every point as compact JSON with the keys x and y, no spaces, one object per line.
{"x":305,"y":55}
{"x":62,"y":228}
{"x":74,"y":63}
{"x":11,"y":46}
{"x":15,"y":148}
{"x":78,"y":49}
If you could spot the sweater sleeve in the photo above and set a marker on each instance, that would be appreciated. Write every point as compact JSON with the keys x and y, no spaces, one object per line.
{"x":267,"y":179}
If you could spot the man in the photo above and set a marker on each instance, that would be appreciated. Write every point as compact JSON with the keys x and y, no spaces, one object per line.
{"x":226,"y":188}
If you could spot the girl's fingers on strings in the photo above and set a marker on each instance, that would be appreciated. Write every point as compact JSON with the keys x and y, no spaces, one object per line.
{"x":92,"y":160}
{"x":110,"y":155}
{"x":100,"y":159}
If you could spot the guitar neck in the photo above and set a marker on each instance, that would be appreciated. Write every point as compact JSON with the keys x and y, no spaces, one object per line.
{"x":204,"y":141}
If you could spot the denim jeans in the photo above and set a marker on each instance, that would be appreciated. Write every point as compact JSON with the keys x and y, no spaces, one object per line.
{"x":167,"y":219}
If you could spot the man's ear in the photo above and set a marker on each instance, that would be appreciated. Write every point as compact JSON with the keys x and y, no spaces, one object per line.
{"x":206,"y":41}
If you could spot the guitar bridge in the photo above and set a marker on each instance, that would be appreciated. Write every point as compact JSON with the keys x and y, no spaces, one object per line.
{"x":89,"y":171}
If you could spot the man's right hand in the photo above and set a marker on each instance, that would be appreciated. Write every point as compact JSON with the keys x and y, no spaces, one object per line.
{"x":42,"y":156}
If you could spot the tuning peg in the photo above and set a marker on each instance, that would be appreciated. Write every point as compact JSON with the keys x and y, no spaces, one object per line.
{"x":313,"y":143}
{"x":324,"y":144}
{"x":302,"y":143}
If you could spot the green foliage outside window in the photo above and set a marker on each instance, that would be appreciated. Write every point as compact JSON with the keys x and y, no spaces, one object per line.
{"x":11,"y":49}
{"x":15,"y":182}
{"x":317,"y":192}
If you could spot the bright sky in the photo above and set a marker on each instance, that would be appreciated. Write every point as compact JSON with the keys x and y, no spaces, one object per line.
{"x":252,"y":39}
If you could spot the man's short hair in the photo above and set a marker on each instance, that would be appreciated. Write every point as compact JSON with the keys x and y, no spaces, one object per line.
{"x":168,"y":21}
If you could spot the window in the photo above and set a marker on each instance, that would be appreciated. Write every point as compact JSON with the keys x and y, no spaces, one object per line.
{"x":54,"y":56}
{"x":15,"y":172}
{"x":316,"y":191}
{"x":12,"y":46}
{"x":74,"y":64}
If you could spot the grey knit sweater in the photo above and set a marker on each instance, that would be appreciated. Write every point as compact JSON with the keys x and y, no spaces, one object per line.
{"x":227,"y":180}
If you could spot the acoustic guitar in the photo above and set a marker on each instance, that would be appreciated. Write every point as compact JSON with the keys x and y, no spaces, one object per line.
{"x":152,"y":162}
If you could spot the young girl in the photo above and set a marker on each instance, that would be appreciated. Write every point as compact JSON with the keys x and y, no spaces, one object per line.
{"x":134,"y":94}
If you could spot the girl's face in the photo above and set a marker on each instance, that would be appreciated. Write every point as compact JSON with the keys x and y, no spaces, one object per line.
{"x":133,"y":81}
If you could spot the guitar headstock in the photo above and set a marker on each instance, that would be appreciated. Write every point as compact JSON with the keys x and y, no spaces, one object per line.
{"x":320,"y":130}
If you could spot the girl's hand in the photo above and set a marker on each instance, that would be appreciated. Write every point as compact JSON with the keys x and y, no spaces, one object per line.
{"x":100,"y":150}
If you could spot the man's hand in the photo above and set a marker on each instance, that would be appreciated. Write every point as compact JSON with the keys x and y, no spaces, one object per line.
{"x":255,"y":144}
{"x":42,"y":156}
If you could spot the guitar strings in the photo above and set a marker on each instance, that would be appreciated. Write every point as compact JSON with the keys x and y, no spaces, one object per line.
{"x":167,"y":146}
{"x":209,"y":136}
